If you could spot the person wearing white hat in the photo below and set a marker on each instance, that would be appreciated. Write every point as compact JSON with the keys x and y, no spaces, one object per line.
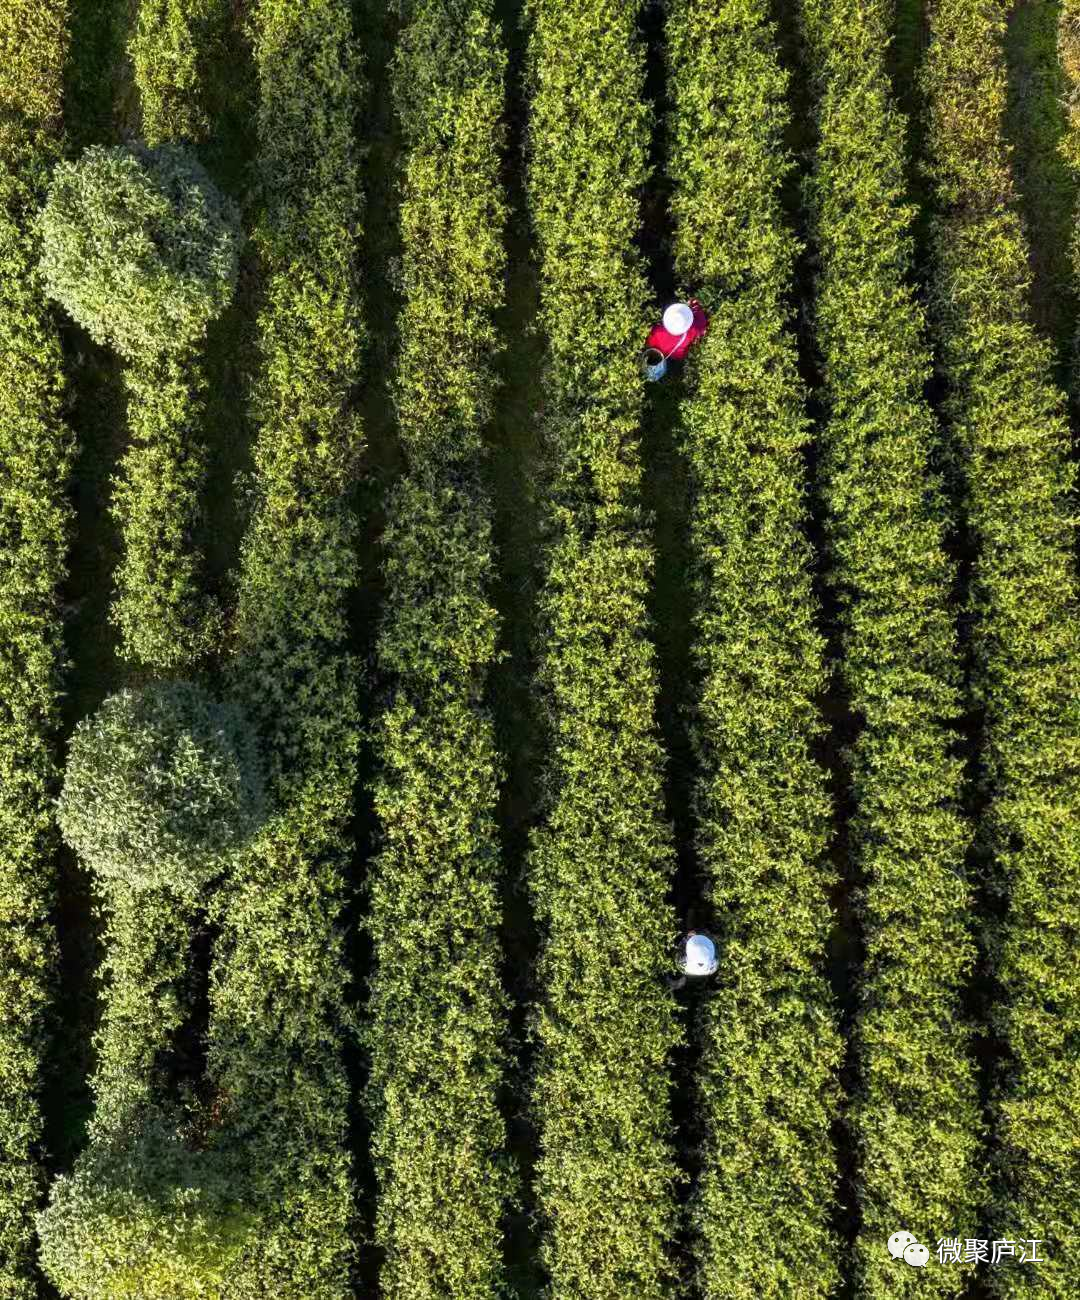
{"x":683,"y":323}
{"x":696,"y":958}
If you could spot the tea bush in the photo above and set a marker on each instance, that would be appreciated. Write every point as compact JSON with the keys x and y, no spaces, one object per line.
{"x":437,"y":1009}
{"x":166,"y":619}
{"x":915,"y":1116}
{"x":162,"y":788}
{"x":601,"y":858}
{"x":1068,"y":81}
{"x":279,"y":1013}
{"x":766,"y":1093}
{"x":139,"y":246}
{"x":168,"y":49}
{"x":35,"y":463}
{"x":147,"y":1216}
{"x":149,"y":288}
{"x":1011,"y":455}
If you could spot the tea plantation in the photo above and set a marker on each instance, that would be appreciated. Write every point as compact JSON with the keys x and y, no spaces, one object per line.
{"x":396,"y":668}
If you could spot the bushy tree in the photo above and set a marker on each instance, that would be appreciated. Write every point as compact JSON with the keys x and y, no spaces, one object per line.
{"x":147,"y":1217}
{"x":162,"y":785}
{"x":139,"y":246}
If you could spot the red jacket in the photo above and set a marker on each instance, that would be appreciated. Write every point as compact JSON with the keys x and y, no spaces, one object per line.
{"x":669,"y":344}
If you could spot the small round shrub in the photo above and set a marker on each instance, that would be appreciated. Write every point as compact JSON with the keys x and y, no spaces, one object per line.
{"x":162,"y":786}
{"x":139,"y":246}
{"x":145,"y":1217}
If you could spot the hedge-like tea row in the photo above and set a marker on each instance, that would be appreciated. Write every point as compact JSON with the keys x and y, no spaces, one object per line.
{"x":1068,"y":51}
{"x":161,"y":788}
{"x":166,"y":620}
{"x":167,"y":48}
{"x":436,"y":1003}
{"x":92,"y":1242}
{"x":915,"y":1117}
{"x":1048,"y":187}
{"x":767,"y":1090}
{"x":278,"y":1007}
{"x":164,"y":617}
{"x":146,"y":939}
{"x":35,"y":459}
{"x":601,"y":859}
{"x":1012,"y":440}
{"x":167,"y":625}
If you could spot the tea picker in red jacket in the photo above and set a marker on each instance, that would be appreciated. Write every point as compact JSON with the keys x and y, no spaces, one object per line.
{"x":670,"y":340}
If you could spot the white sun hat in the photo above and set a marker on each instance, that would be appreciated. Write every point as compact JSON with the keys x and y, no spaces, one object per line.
{"x":700,"y":955}
{"x":678,"y":318}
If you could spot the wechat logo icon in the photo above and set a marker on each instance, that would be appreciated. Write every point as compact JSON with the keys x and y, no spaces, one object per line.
{"x":902,"y":1245}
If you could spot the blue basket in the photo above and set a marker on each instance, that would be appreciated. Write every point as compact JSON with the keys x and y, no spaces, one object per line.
{"x":655,"y":364}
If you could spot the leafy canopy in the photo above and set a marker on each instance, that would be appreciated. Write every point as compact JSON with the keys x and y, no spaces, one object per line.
{"x":139,"y":246}
{"x":162,"y":786}
{"x":147,"y":1217}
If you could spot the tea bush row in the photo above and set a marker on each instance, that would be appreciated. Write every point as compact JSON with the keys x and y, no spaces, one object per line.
{"x":601,"y":859}
{"x":915,"y":1115}
{"x":163,"y":613}
{"x":141,"y":249}
{"x":1011,"y":457}
{"x":102,"y":1233}
{"x":160,"y":601}
{"x":278,"y":1002}
{"x":1068,"y":145}
{"x":92,"y":1242}
{"x":436,"y":1011}
{"x":35,"y":462}
{"x":168,"y":50}
{"x":767,"y":1093}
{"x":161,"y":790}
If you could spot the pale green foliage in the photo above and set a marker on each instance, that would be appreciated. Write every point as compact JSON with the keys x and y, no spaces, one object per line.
{"x":35,"y":459}
{"x":915,"y":1116}
{"x":139,"y":246}
{"x":162,"y":788}
{"x":33,"y":48}
{"x":436,"y":1005}
{"x":278,"y":1011}
{"x":1012,"y":452}
{"x":167,"y":48}
{"x":146,"y":1217}
{"x":601,"y":858}
{"x":448,"y":93}
{"x":1036,"y":124}
{"x":767,"y":1090}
